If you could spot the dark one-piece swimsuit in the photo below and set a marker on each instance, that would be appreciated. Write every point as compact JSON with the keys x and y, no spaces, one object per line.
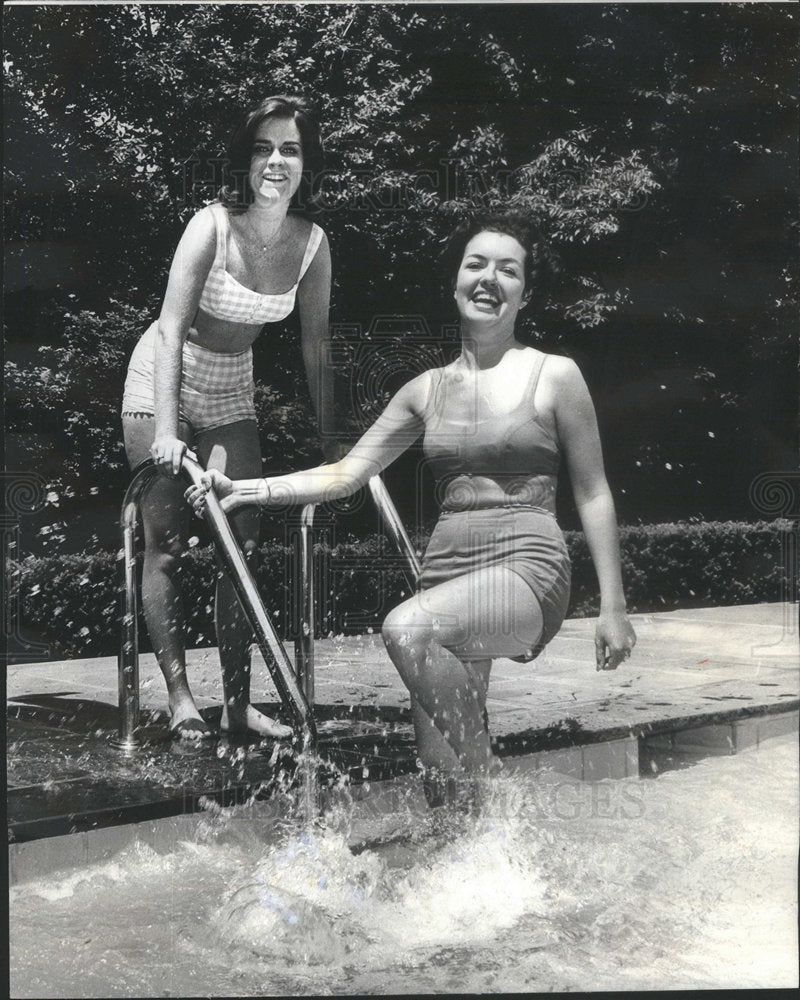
{"x":497,"y":482}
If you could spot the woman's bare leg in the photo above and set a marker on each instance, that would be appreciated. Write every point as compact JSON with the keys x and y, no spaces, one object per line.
{"x":234,"y":449}
{"x":440,"y":766}
{"x":164,"y":515}
{"x":441,"y":642}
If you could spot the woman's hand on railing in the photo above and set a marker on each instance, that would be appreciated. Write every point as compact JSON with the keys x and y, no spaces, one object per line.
{"x":167,"y":452}
{"x":211,"y":479}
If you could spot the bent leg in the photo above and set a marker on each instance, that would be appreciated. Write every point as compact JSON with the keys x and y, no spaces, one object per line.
{"x":442,"y":642}
{"x":234,"y":449}
{"x":441,"y":768}
{"x":164,"y":516}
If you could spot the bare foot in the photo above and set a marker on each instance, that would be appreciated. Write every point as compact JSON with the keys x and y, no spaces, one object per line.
{"x":250,"y":719}
{"x":186,"y":723}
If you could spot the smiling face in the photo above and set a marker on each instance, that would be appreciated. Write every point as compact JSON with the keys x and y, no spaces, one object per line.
{"x":276,"y":164}
{"x":490,"y":284}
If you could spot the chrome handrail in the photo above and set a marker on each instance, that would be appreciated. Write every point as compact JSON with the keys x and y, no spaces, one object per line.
{"x":295,"y":685}
{"x":304,"y":643}
{"x":128,"y":654}
{"x":275,"y":656}
{"x":388,"y":512}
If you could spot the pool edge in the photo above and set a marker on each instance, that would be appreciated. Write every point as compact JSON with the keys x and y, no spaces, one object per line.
{"x":610,"y":759}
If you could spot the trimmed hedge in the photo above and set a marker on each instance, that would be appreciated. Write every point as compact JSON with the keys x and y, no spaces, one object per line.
{"x":70,"y":602}
{"x":688,"y":565}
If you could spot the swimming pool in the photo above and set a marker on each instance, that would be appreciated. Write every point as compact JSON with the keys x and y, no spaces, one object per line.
{"x":683,"y":881}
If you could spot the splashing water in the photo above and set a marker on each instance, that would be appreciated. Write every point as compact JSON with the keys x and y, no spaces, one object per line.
{"x":684,"y":881}
{"x":312,"y":898}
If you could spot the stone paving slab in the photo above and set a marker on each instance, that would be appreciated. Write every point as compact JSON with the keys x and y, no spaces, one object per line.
{"x":686,"y":663}
{"x":716,"y":680}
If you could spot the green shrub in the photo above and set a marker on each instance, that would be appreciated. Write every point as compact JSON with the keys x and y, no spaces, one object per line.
{"x":685,"y":565}
{"x":70,"y":602}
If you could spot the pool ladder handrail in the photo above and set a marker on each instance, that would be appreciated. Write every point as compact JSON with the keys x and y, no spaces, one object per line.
{"x":390,"y":517}
{"x":295,"y":686}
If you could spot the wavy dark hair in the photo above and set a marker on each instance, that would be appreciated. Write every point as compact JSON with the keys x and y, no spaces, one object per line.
{"x":540,"y":263}
{"x":236,"y":193}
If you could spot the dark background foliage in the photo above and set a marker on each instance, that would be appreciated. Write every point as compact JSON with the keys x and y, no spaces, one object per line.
{"x":69,"y":606}
{"x":655,"y":144}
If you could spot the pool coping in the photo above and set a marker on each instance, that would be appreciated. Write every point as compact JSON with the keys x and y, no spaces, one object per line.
{"x":618,"y":758}
{"x":706,"y":681}
{"x":591,"y":754}
{"x":57,"y":842}
{"x":527,"y":741}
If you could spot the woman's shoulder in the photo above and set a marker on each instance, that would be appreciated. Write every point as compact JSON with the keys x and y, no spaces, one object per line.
{"x":304,"y":237}
{"x":558,"y":366}
{"x":417,"y":391}
{"x":200,"y":233}
{"x":211,"y":214}
{"x":557,"y":380}
{"x":563,"y":384}
{"x":425,"y":379}
{"x":301,"y":227}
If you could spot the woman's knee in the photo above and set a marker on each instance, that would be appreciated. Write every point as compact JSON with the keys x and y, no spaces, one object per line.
{"x":164,"y":544}
{"x":407,"y":625}
{"x":168,"y":562}
{"x":411,"y":624}
{"x":246,"y":525}
{"x":398,"y":626}
{"x":250,"y":552}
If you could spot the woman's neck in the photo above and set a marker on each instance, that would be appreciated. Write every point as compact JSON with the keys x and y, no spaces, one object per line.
{"x":485,"y":348}
{"x":265,"y":221}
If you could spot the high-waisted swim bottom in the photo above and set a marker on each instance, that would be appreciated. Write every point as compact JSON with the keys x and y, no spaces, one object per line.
{"x":526,"y":540}
{"x":216,"y":389}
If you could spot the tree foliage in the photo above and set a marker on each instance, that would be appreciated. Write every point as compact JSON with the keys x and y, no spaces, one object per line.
{"x":655,"y":145}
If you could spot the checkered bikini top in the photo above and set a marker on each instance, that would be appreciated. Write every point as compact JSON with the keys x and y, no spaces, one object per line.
{"x":225,"y":298}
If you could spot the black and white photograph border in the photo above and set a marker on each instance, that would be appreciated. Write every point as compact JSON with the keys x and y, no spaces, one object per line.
{"x":313,"y":690}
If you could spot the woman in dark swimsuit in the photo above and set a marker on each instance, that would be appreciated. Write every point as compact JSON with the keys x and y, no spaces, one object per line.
{"x":495,"y":578}
{"x":242,"y":262}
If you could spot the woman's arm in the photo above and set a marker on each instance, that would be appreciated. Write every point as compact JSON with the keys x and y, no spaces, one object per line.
{"x":187,"y":275}
{"x":396,"y":429}
{"x":313,"y":299}
{"x":576,"y":425}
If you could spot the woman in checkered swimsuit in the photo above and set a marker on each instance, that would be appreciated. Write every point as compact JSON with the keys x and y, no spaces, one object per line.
{"x":242,"y":262}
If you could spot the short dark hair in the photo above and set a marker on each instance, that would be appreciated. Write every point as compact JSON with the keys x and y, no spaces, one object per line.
{"x":236,"y":193}
{"x":539,"y":262}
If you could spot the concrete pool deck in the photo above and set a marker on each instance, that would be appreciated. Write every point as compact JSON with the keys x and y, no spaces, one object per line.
{"x":704,"y":681}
